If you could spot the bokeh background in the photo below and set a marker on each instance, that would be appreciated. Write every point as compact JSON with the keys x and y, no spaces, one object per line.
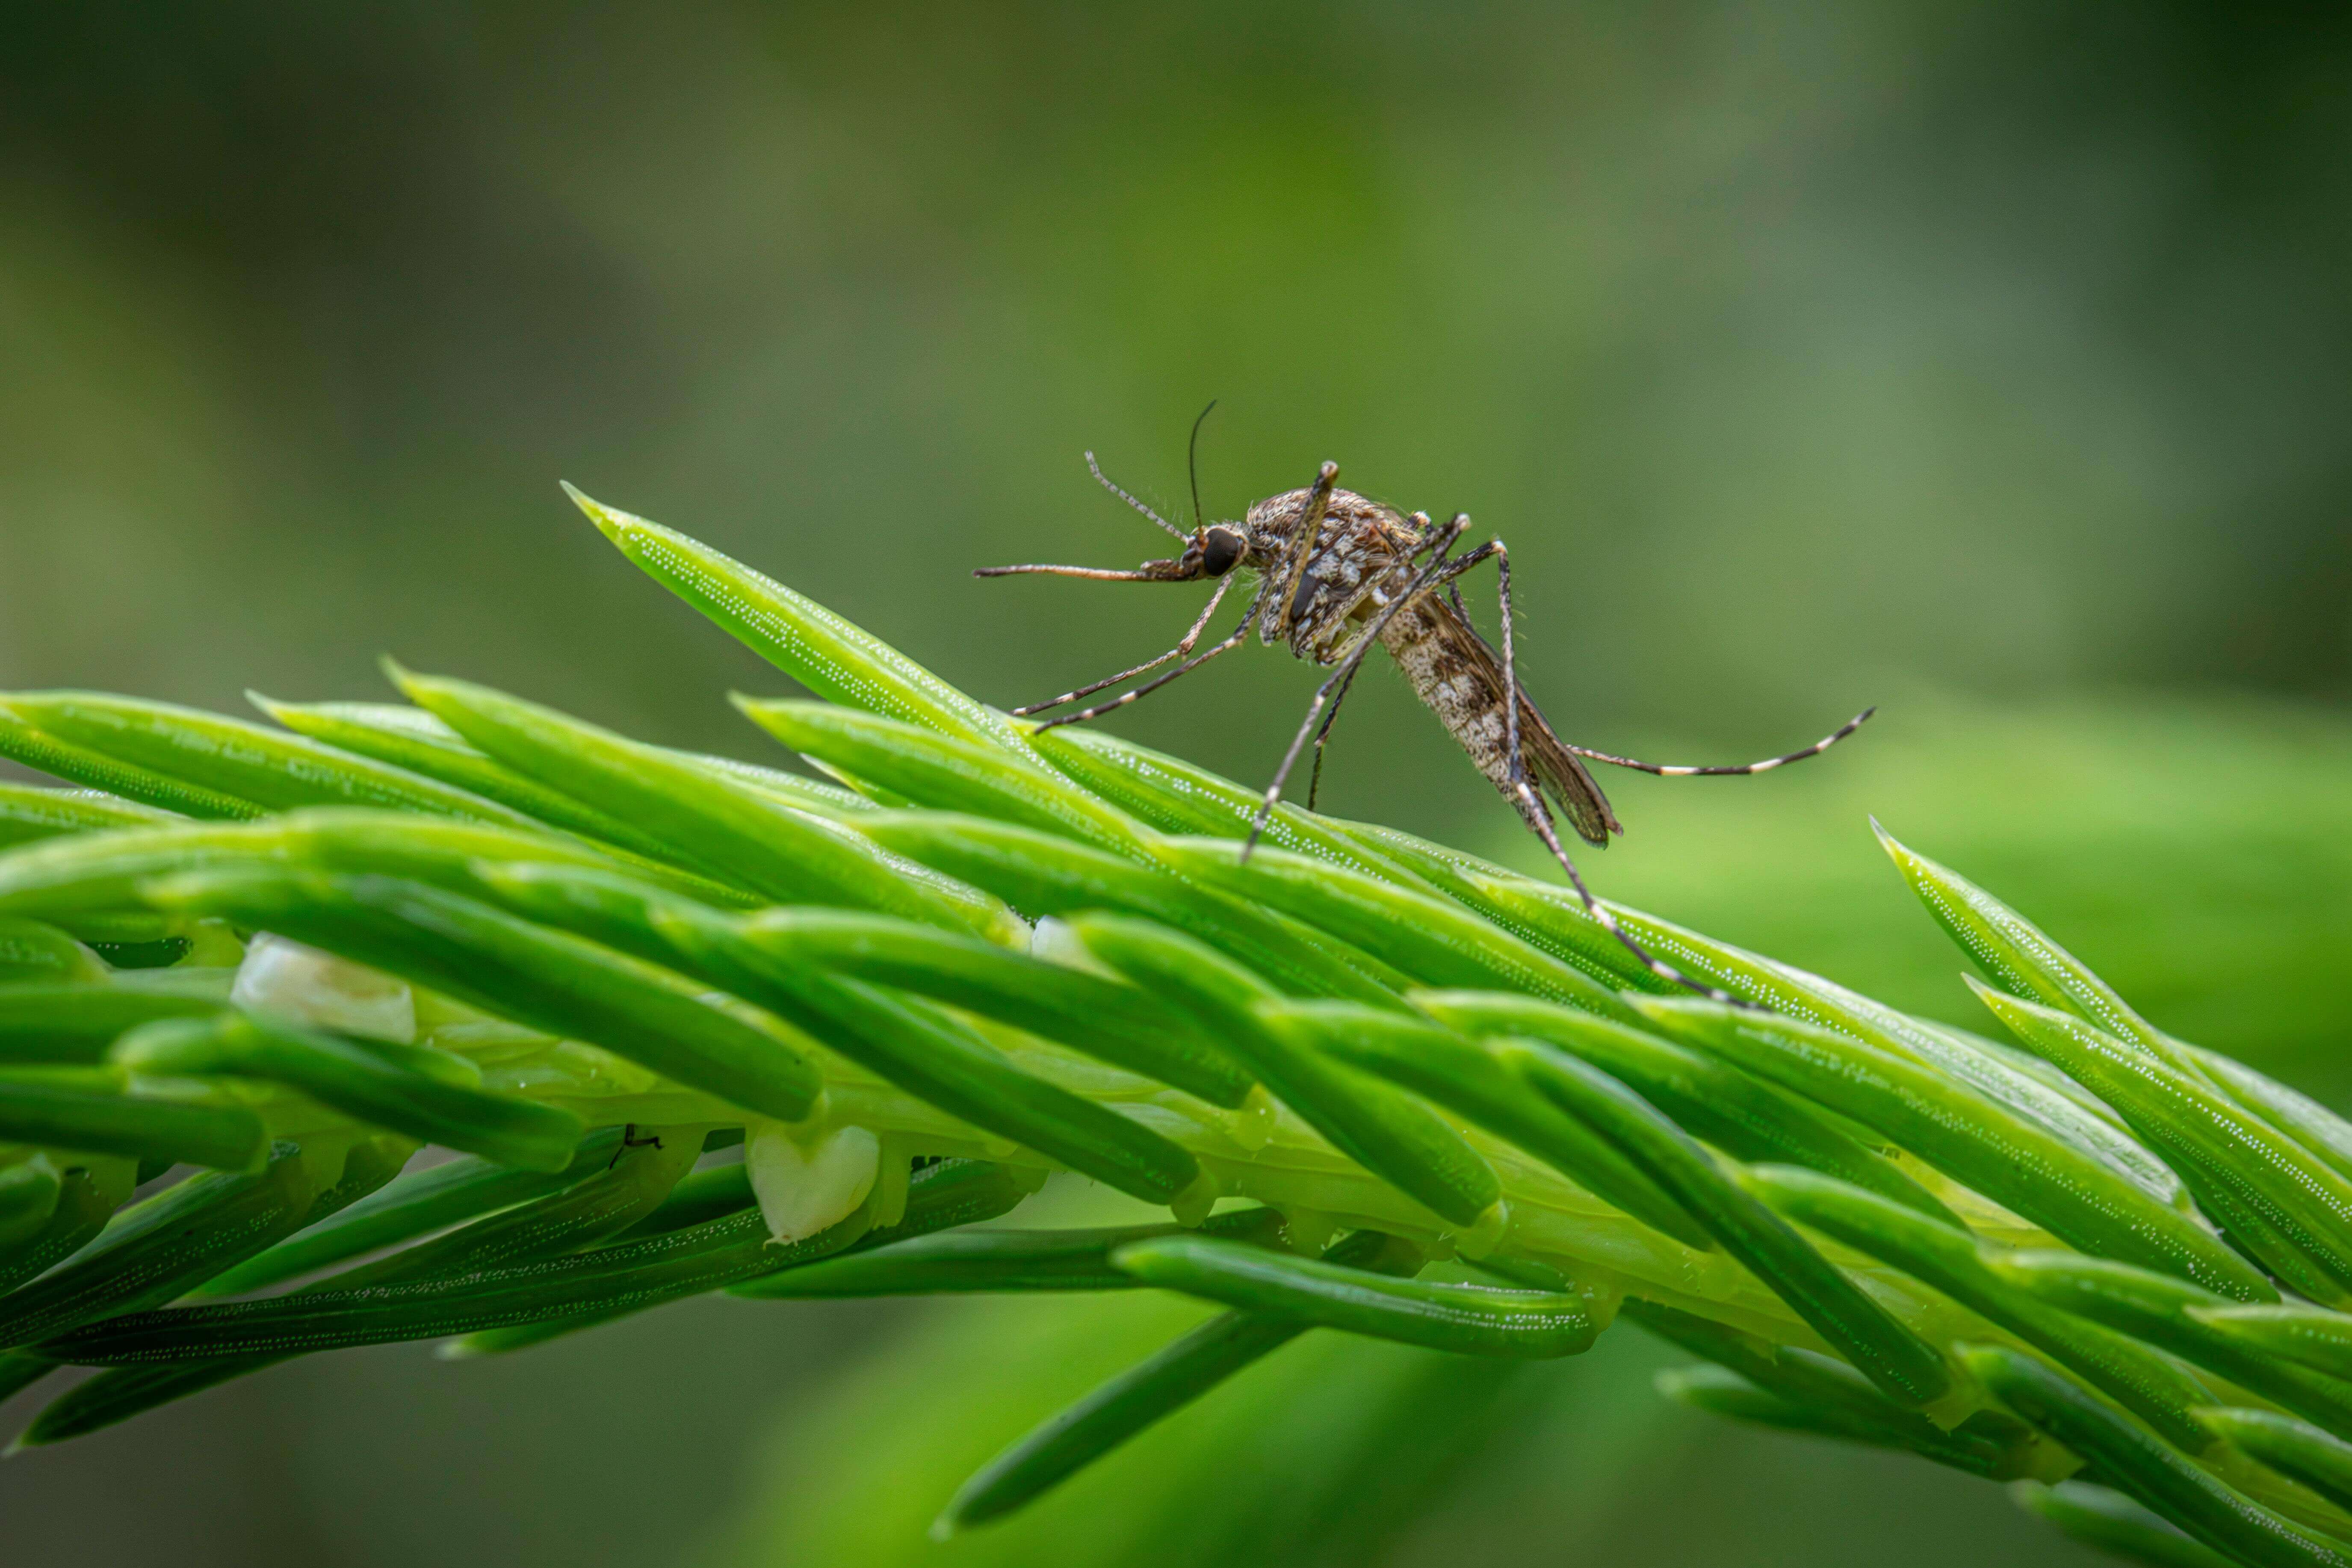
{"x":1990,"y":362}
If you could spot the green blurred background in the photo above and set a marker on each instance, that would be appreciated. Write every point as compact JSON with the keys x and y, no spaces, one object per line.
{"x":1987,"y":362}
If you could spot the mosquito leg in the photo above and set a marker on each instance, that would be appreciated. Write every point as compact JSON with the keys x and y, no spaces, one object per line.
{"x":1148,"y":687}
{"x":629,"y":1139}
{"x":1669,"y":771}
{"x":1179,"y":651}
{"x":1315,"y":777}
{"x":1439,"y":570}
{"x":1538,"y":814}
{"x":1293,"y":577}
{"x":1241,"y":632}
{"x":1538,"y":817}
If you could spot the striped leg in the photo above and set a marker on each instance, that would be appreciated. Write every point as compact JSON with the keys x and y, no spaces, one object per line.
{"x":1668,"y":771}
{"x":1179,"y":651}
{"x":1293,"y":574}
{"x":1240,"y":633}
{"x":1314,"y":776}
{"x":1536,"y":812}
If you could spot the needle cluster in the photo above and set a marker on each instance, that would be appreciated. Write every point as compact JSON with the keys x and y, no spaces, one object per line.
{"x":1380,"y":1088}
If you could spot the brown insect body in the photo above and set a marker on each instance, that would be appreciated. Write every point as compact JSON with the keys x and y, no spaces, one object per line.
{"x":1363,"y":559}
{"x":1337,"y":572}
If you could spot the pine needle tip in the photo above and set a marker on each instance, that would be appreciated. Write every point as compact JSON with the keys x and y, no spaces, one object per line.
{"x":612,"y":525}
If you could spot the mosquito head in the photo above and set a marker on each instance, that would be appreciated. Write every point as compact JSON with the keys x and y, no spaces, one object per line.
{"x":1210,"y":550}
{"x":1222,"y":549}
{"x":1213,"y":550}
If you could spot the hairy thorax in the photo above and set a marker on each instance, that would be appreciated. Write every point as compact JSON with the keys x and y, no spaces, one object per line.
{"x":1360,"y":559}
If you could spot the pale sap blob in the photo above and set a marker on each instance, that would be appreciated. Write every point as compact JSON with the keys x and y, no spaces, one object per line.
{"x":805,"y":1188}
{"x":308,"y":986}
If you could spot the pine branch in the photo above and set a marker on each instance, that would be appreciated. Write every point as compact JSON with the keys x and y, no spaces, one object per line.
{"x":2103,"y":1264}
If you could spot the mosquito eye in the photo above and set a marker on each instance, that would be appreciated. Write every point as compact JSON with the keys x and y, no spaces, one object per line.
{"x":1222,"y":549}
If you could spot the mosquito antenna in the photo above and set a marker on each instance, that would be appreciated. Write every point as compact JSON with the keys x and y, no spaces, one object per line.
{"x":1192,"y":459}
{"x":1130,"y":500}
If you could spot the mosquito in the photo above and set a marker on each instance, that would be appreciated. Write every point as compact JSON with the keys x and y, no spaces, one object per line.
{"x":1337,"y":574}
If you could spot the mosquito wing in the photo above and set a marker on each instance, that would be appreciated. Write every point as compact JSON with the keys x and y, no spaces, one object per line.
{"x":1564,"y":777}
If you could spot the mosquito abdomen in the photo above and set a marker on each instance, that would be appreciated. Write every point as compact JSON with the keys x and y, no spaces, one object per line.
{"x":1452,"y":672}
